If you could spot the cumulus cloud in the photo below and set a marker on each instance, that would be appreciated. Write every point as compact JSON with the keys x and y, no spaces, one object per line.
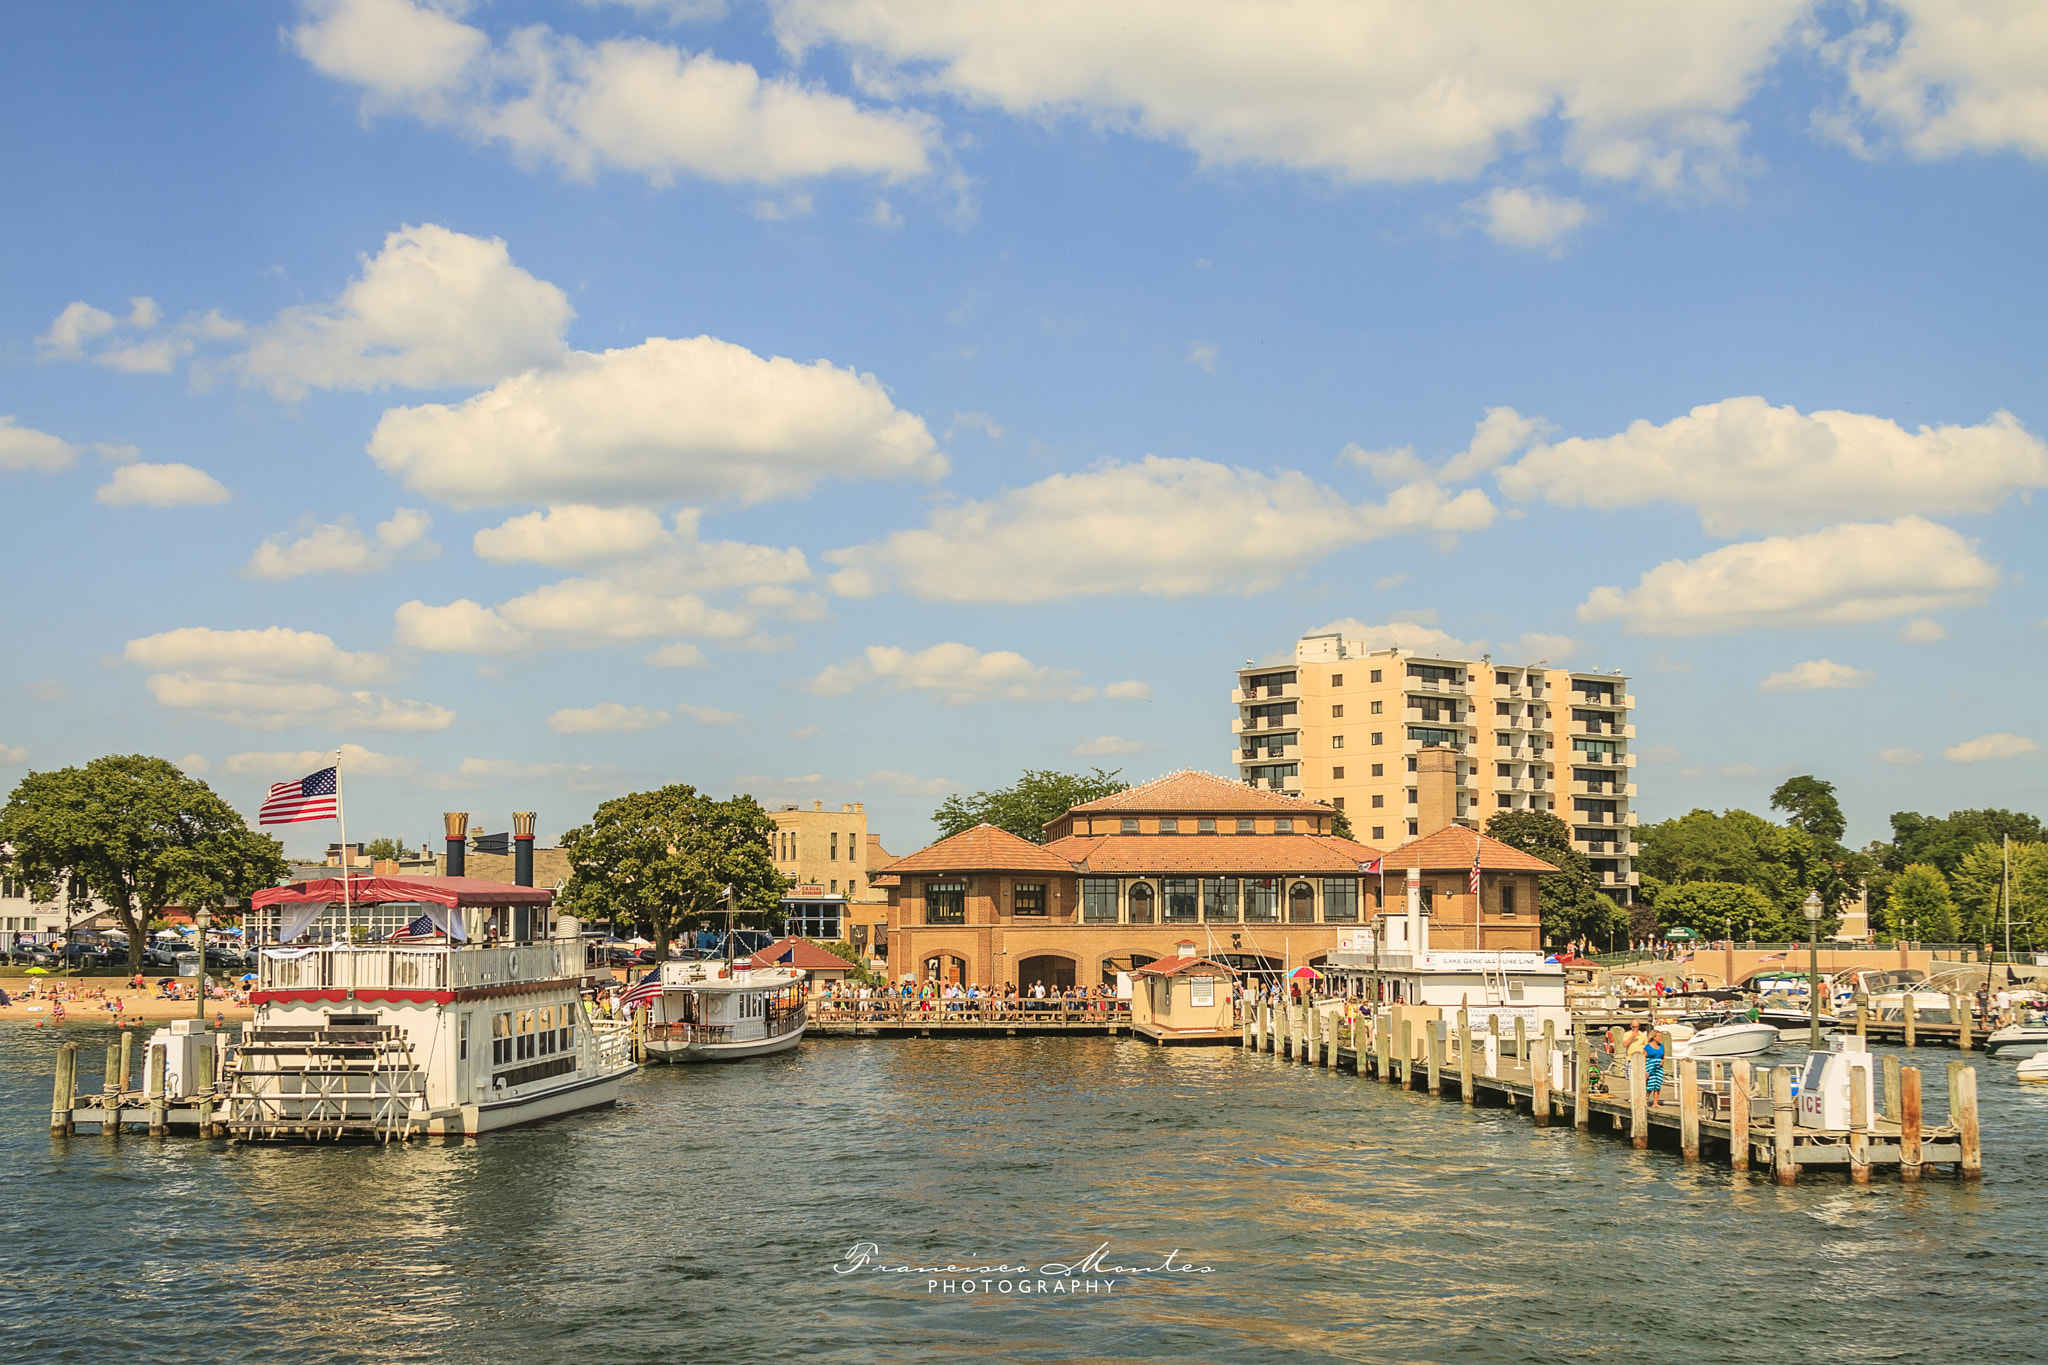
{"x":604,"y":718}
{"x":1421,"y":92}
{"x":1990,"y":748}
{"x":627,"y":104}
{"x":708,"y":715}
{"x":1940,"y":77}
{"x":276,"y":678}
{"x":1412,"y":636}
{"x":356,"y":761}
{"x":1844,"y":575}
{"x":132,"y":343}
{"x":160,"y":485}
{"x":1745,"y":465}
{"x":1816,"y":675}
{"x":1133,"y":690}
{"x":571,"y":536}
{"x":1531,"y":218}
{"x":678,"y":655}
{"x":47,"y":689}
{"x":1900,"y":756}
{"x":667,"y":420}
{"x":433,"y":307}
{"x":954,"y":673}
{"x":13,"y":754}
{"x":1159,"y":527}
{"x":474,"y":773}
{"x":26,"y":448}
{"x":1922,"y":631}
{"x":1106,"y":746}
{"x":1202,"y":355}
{"x":339,"y":548}
{"x":909,"y":784}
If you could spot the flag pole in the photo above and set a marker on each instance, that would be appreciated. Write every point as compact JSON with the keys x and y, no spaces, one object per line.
{"x":348,"y":910}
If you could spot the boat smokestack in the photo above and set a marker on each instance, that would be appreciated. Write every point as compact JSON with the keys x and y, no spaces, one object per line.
{"x":522,"y":847}
{"x":456,"y":825}
{"x":1418,"y":927}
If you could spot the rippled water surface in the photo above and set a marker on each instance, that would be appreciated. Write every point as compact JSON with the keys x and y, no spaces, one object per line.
{"x":701,"y":1220}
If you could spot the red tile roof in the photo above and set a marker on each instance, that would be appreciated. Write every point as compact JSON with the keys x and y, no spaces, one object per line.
{"x":804,"y":953}
{"x":1174,"y":966}
{"x":1451,"y":847}
{"x":983,"y":847}
{"x":1207,"y":793}
{"x":1238,"y":854}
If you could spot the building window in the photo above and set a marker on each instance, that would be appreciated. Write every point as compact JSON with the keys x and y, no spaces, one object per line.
{"x":1379,"y":803}
{"x":1379,"y":737}
{"x":945,"y":902}
{"x":1219,"y":900}
{"x":1337,"y":713}
{"x":1169,"y":826}
{"x":1379,"y":770}
{"x":1206,"y":825}
{"x":849,"y":847}
{"x":1411,"y":765}
{"x":1503,"y":800}
{"x":1411,"y":828}
{"x":1340,"y":900}
{"x":1301,"y":904}
{"x":835,"y":886}
{"x":1283,"y":826}
{"x":1379,"y":832}
{"x":1376,"y":707}
{"x":813,"y":919}
{"x":1336,"y":741}
{"x":1336,"y":680}
{"x":1261,"y":900}
{"x":1183,"y":899}
{"x":1507,"y":901}
{"x":1375,"y":675}
{"x":1098,"y":900}
{"x":1244,"y":827}
{"x":1130,"y":827}
{"x":1141,"y":903}
{"x":1337,"y":774}
{"x":1029,"y":899}
{"x":835,"y":847}
{"x":1428,"y":899}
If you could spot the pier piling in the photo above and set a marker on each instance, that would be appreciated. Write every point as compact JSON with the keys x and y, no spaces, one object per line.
{"x":1892,"y":1071}
{"x":1382,"y":1049}
{"x":111,"y":1087}
{"x":1909,"y":1123}
{"x":1582,"y":1082}
{"x":1963,"y":1113}
{"x":1689,"y":1110}
{"x":1782,"y":1163}
{"x":1437,"y":1048}
{"x":1465,"y":1088}
{"x":1859,"y":1126}
{"x":1911,"y":1041}
{"x":159,"y":1121}
{"x":1407,"y":1054}
{"x":1960,"y":1015}
{"x":1738,"y":1115}
{"x":1638,"y":1105}
{"x":61,"y":1123}
{"x":127,"y":1059}
{"x":1539,"y":1101}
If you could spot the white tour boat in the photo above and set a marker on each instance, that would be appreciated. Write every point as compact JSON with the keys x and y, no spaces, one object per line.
{"x":469,"y":1018}
{"x":721,"y":1011}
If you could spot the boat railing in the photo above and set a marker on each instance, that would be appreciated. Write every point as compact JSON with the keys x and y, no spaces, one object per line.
{"x":611,"y":1043}
{"x":383,"y":967}
{"x":1075,"y":1013}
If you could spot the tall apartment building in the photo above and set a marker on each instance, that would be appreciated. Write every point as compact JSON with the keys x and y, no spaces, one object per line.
{"x":1343,"y":725}
{"x":828,"y":853}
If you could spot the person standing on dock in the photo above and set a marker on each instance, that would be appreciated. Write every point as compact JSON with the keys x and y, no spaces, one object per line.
{"x":1653,"y":1068}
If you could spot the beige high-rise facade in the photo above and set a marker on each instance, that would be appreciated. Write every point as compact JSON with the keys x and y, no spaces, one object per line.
{"x":1345,"y":724}
{"x":828,"y":853}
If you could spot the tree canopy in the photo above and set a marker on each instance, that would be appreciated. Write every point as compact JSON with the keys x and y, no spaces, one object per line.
{"x":1919,"y":908}
{"x":139,"y":834}
{"x":651,"y":860}
{"x":1574,"y":907}
{"x":1037,"y":798}
{"x":385,"y":849}
{"x":1810,"y":806}
{"x":1735,"y":847}
{"x":1944,"y":840}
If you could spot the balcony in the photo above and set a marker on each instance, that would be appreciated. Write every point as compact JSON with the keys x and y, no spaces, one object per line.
{"x":1245,"y":696}
{"x":1621,"y":879}
{"x":1614,"y":791}
{"x":1459,"y":689}
{"x":1286,"y":753}
{"x":1505,"y":691}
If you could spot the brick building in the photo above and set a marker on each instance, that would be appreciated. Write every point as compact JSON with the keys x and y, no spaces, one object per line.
{"x":1255,"y":878}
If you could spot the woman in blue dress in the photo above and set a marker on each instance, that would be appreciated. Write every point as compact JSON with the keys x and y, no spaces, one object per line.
{"x":1653,"y":1067}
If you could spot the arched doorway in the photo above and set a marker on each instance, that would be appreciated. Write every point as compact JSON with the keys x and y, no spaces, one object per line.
{"x":944,"y":968}
{"x":1054,"y":972}
{"x":1301,"y":904}
{"x":1141,"y":903}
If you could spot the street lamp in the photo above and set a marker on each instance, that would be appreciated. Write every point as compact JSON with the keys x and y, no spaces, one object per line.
{"x":1813,"y":908}
{"x":200,"y":919}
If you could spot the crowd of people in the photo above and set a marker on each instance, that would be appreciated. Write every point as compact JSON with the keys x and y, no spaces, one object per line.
{"x":958,"y":997}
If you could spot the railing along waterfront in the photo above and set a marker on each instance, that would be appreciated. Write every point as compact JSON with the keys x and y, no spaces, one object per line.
{"x":419,"y":969}
{"x":921,"y":1014}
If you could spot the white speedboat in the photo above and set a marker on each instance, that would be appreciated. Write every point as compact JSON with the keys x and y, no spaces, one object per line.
{"x":723,"y":1012}
{"x":2028,"y":1039}
{"x":1739,"y":1038}
{"x":2034,"y":1068}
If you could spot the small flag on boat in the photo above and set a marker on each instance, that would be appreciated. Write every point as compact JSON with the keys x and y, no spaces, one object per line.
{"x":1472,"y":884}
{"x":316,"y":796}
{"x":423,"y":927}
{"x":647,"y":989}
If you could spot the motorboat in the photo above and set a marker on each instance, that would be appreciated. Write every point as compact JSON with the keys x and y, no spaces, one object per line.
{"x":2034,"y":1068}
{"x":2025,"y":1039}
{"x":715,"y":1011}
{"x":1730,"y":1038}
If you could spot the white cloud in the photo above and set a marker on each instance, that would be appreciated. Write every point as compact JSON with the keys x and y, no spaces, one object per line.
{"x":1844,"y":575}
{"x":1132,"y":690}
{"x":1384,"y":92}
{"x":433,"y":307}
{"x":48,"y":689}
{"x":807,"y":732}
{"x":1412,"y":636}
{"x":571,"y":536}
{"x":275,"y":678}
{"x":1202,"y":355}
{"x":1922,"y":631}
{"x":678,"y":655}
{"x":1990,"y":748}
{"x":1662,"y":753}
{"x":1531,"y":218}
{"x":26,"y":448}
{"x":1105,"y":746}
{"x":626,"y":104}
{"x":356,"y":761}
{"x":460,"y":627}
{"x":604,"y":718}
{"x":663,"y":421}
{"x":956,"y":674}
{"x":148,"y":355}
{"x":160,"y":485}
{"x":339,"y":548}
{"x":194,"y":763}
{"x":1536,"y":644}
{"x":1745,"y":465}
{"x":907,"y":784}
{"x":1942,"y":77}
{"x":708,"y":715}
{"x":1390,"y":581}
{"x":1816,"y":675}
{"x":13,"y":754}
{"x":977,"y":421}
{"x":71,"y":330}
{"x":1900,"y":756}
{"x":1160,"y":527}
{"x":781,"y":210}
{"x":81,"y":324}
{"x":1663,"y":663}
{"x":473,"y":773}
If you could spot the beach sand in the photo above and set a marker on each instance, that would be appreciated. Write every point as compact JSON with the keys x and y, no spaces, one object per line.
{"x":140,"y":1006}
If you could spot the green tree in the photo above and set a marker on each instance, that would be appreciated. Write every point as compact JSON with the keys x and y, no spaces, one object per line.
{"x":140,"y":835}
{"x":653,"y":859}
{"x":1742,"y":849}
{"x":1919,"y":908}
{"x":1573,"y":905}
{"x":1979,"y":886}
{"x":1039,"y":797}
{"x":1340,"y":825}
{"x":1716,"y":910}
{"x":1943,"y":840}
{"x":1811,"y":806}
{"x":385,"y":849}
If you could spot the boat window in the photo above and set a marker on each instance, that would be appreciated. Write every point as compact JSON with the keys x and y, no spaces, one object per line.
{"x":501,"y":1039}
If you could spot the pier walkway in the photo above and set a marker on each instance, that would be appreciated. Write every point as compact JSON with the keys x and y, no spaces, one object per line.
{"x":968,"y":1018}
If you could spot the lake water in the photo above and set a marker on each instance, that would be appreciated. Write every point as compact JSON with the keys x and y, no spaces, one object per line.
{"x":702,"y":1220}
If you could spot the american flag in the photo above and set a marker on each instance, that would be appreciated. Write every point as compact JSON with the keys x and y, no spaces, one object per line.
{"x":423,"y":927}
{"x":1472,"y":883}
{"x":648,"y":988}
{"x":316,"y":796}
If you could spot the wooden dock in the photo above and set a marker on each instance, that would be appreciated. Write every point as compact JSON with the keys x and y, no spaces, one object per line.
{"x":1720,"y":1111}
{"x":969,"y":1018}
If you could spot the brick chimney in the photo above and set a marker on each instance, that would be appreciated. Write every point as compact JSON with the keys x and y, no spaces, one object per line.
{"x":1436,"y":788}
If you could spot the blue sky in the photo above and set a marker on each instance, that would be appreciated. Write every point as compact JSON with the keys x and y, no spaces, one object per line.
{"x":866,"y":399}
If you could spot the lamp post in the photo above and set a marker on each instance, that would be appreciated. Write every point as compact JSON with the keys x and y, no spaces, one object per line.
{"x":200,"y":919}
{"x":1813,"y":971}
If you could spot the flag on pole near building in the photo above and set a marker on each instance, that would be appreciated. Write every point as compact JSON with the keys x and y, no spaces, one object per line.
{"x":316,"y":796}
{"x":1472,"y":884}
{"x":1378,"y":866}
{"x":648,"y":988}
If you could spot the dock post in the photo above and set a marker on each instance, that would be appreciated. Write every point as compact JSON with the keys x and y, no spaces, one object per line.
{"x":1859,"y":1126}
{"x":158,"y":1115}
{"x":1582,"y":1080}
{"x":1961,"y":1014}
{"x":1521,"y":1041}
{"x":1955,"y":1071}
{"x":1437,"y":1048}
{"x":1407,"y":1054}
{"x":1738,"y":1115}
{"x":1963,"y":1113}
{"x":1638,"y":1106}
{"x":1358,"y":1045}
{"x":1909,"y":1123}
{"x":1689,"y":1109}
{"x":1304,"y":1020}
{"x":1539,"y":1084}
{"x":1326,"y":1038}
{"x":202,"y":1096}
{"x":1782,"y":1164}
{"x":1862,"y":1019}
{"x":66,"y":1091}
{"x":1465,"y":1089}
{"x":110,"y":1092}
{"x":1910,"y":1040}
{"x":1259,"y":1022}
{"x":1892,"y":1070}
{"x":1383,"y":1047}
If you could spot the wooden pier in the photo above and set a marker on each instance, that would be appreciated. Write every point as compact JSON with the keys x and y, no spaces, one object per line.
{"x":1720,"y":1111}
{"x":1093,"y":1018}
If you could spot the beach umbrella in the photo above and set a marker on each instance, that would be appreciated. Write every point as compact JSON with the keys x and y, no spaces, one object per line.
{"x":1304,"y":974}
{"x":248,"y":976}
{"x":38,"y":971}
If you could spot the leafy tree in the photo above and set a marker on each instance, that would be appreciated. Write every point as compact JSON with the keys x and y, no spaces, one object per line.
{"x":1943,"y":840}
{"x":652,"y":859}
{"x":139,"y":834}
{"x":1919,"y":908}
{"x":1716,"y":910}
{"x":1039,"y":797}
{"x":1573,"y":905}
{"x":385,"y":849}
{"x":1340,"y":825}
{"x":1979,"y":887}
{"x":856,"y":959}
{"x":1782,"y":862}
{"x":1811,"y":807}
